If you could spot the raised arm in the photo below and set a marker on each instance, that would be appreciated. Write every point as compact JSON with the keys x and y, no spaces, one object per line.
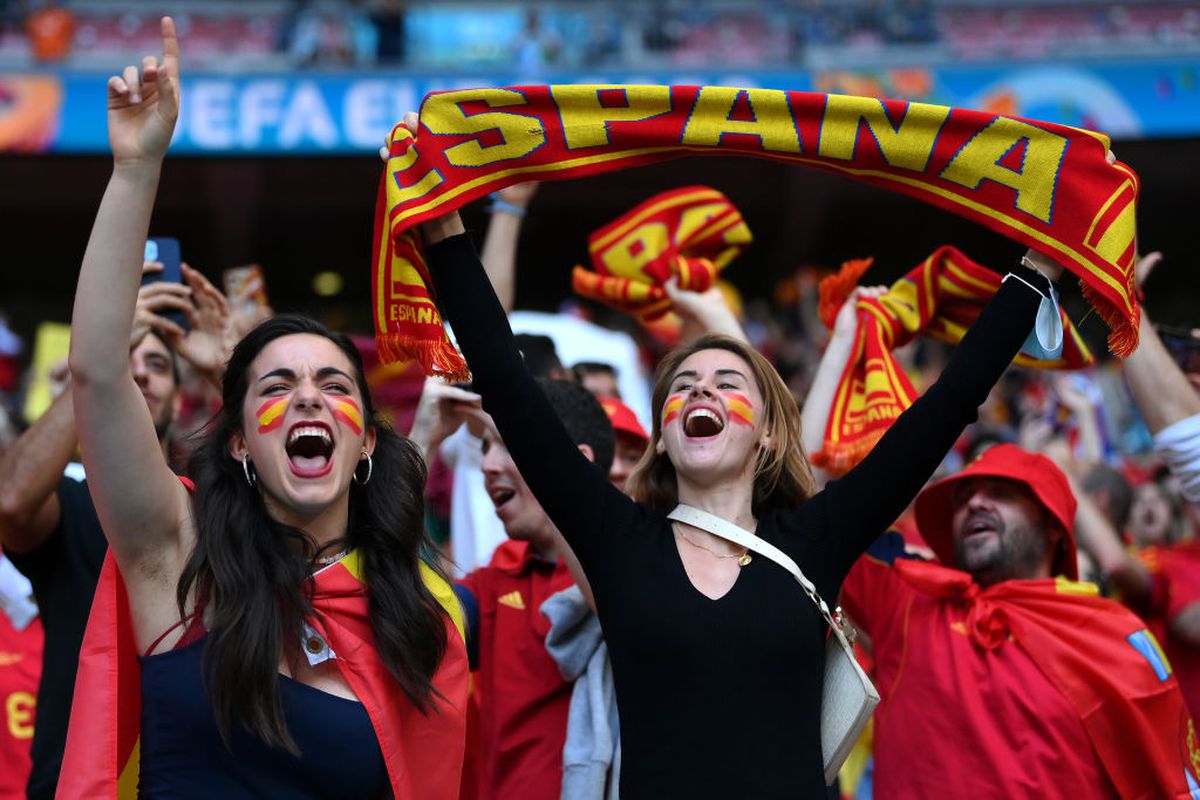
{"x":576,"y":495}
{"x":1161,"y":390}
{"x":819,"y":402}
{"x":499,"y":254}
{"x":140,"y":503}
{"x":29,"y":473}
{"x":873,"y":494}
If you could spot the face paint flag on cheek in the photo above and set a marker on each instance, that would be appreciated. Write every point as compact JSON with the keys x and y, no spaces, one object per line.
{"x":270,"y":414}
{"x":348,"y":412}
{"x":671,"y":409}
{"x":740,"y":408}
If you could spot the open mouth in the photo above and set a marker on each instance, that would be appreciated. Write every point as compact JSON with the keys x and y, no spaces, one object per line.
{"x":980,"y":524}
{"x":310,"y":450}
{"x":500,"y":496}
{"x":701,"y":423}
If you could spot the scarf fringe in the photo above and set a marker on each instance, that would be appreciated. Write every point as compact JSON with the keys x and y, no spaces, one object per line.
{"x":838,"y":458}
{"x":834,"y":289}
{"x":436,"y":357}
{"x":1123,"y":331}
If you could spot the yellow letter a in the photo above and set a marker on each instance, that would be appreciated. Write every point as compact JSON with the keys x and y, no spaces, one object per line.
{"x":979,"y":160}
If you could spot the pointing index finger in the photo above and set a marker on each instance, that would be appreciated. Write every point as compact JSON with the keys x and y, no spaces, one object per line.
{"x":170,"y":43}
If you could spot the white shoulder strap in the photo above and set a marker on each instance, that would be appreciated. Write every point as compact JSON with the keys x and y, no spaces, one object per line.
{"x":690,"y":515}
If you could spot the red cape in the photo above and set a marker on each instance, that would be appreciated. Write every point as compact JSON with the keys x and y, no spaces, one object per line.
{"x":1104,"y":661}
{"x":424,"y":754}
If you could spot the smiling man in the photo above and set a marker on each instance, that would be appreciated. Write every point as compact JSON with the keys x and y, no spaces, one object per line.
{"x":522,"y":699}
{"x":1000,"y":675}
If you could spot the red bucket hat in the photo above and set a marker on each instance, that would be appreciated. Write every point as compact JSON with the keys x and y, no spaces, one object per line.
{"x":623,"y":418}
{"x":1037,"y":473}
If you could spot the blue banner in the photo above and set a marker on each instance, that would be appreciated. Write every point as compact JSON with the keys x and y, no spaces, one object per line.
{"x":310,"y":114}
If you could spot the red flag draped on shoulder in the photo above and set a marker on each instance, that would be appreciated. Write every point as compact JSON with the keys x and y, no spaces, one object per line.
{"x":423,"y":753}
{"x":1102,"y":659}
{"x":1047,"y":186}
{"x":940,"y":298}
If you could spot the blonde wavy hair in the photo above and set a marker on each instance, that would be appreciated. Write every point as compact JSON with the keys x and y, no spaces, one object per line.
{"x":782,"y":477}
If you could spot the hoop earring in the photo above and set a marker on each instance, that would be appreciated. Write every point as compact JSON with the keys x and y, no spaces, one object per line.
{"x":370,"y":469}
{"x":251,"y":477}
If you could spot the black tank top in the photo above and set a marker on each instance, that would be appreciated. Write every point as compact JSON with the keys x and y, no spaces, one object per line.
{"x":182,"y":755}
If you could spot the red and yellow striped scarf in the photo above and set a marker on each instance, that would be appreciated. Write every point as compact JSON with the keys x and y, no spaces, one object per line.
{"x":690,"y":233}
{"x":1047,"y":186}
{"x":939,"y":298}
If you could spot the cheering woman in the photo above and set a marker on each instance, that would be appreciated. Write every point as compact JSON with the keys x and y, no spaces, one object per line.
{"x":718,"y":658}
{"x":293,"y":642}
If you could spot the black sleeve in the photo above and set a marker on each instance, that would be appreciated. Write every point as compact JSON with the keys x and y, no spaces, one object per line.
{"x":76,"y":512}
{"x":575,"y":494}
{"x":470,"y":607}
{"x":859,"y":506}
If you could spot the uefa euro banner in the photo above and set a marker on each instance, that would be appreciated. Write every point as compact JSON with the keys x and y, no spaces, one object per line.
{"x":1048,"y":186}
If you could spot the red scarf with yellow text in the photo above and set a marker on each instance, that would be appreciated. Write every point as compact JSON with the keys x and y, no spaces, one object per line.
{"x":1047,"y":186}
{"x":940,"y":298}
{"x":1103,"y":660}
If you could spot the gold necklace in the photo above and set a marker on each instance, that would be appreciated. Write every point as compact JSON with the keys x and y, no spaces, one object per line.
{"x":743,"y":557}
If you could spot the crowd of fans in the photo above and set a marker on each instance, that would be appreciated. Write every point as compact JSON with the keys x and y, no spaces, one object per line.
{"x":1106,"y":460}
{"x":533,"y":37}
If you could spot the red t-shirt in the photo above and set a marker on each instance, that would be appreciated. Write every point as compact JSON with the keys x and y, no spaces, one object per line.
{"x":20,"y":670}
{"x":955,"y":718}
{"x":1175,"y":584}
{"x":523,"y":699}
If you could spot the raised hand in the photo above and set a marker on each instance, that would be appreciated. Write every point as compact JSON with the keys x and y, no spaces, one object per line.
{"x":703,"y":312}
{"x":153,"y":300}
{"x":1144,"y":265}
{"x":142,"y":109}
{"x":519,"y":194}
{"x":208,"y":344}
{"x":846,"y":322}
{"x":441,"y":410}
{"x":439,"y":228}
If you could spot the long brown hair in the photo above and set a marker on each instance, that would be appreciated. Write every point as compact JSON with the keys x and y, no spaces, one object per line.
{"x":253,"y":573}
{"x":782,"y":477}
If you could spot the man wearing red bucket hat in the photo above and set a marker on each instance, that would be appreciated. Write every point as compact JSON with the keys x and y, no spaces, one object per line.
{"x":1000,"y":675}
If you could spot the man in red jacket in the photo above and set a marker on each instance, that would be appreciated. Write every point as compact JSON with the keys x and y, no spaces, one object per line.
{"x":999,"y":679}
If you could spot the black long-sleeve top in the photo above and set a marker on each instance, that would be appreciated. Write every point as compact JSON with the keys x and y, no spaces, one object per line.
{"x":717,"y":698}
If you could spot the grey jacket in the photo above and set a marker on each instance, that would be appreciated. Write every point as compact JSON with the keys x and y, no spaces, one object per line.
{"x":593,"y":745}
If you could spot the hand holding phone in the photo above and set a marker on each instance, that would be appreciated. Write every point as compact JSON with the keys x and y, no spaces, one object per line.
{"x":165,"y":251}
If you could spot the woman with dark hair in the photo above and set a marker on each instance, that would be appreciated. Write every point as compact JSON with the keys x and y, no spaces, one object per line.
{"x":294,"y":641}
{"x":718,"y":655}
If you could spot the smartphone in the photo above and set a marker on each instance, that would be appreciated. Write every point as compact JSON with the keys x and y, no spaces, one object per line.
{"x":165,"y":250}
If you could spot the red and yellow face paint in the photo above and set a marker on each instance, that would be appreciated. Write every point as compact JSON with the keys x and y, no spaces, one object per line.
{"x":741,"y":410}
{"x":346,"y":411}
{"x":672,"y":409}
{"x":270,"y":414}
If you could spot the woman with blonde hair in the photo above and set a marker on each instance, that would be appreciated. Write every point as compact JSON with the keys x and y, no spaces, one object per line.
{"x":718,"y":655}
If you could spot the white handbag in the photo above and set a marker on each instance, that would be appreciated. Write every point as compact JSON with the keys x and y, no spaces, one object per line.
{"x":849,"y":698}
